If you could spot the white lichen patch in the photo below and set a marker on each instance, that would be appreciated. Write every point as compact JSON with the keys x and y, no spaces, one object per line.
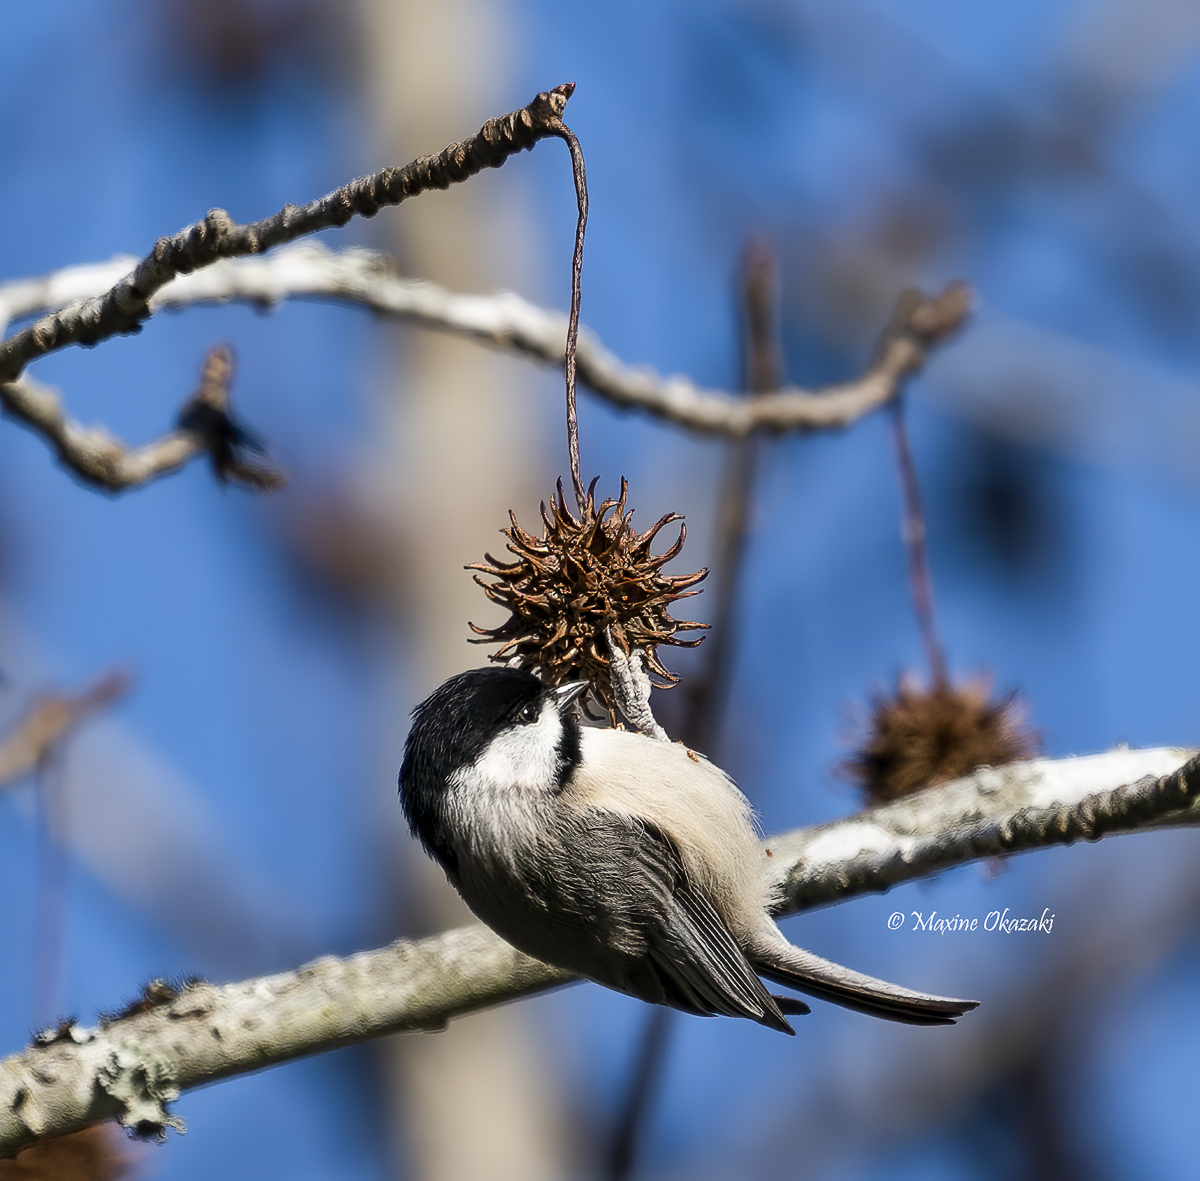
{"x":1067,"y":781}
{"x":143,"y":1085}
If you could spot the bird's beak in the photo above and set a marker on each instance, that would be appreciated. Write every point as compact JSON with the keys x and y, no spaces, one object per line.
{"x":564,"y":694}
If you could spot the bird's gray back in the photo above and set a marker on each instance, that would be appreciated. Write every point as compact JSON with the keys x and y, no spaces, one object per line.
{"x":693,"y":803}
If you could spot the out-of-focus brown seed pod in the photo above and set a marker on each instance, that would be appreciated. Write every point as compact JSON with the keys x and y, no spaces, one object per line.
{"x":919,"y":737}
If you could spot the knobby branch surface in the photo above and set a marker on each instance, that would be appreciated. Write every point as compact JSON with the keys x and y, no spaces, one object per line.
{"x":123,"y":307}
{"x":133,"y":1066}
{"x":49,"y":720}
{"x":506,"y":322}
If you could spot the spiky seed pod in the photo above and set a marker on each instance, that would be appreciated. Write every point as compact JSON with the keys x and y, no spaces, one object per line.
{"x":583,"y":578}
{"x":921,"y":737}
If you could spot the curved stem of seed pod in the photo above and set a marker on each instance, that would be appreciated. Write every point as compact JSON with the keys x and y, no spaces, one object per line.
{"x":920,"y":580}
{"x":579,"y":172}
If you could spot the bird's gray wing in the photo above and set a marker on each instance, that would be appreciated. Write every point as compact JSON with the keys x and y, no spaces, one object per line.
{"x":697,"y":962}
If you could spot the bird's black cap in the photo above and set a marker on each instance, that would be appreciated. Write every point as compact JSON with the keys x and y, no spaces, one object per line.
{"x":451,"y":728}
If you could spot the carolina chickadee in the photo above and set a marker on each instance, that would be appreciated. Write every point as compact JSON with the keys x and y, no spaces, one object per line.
{"x":624,"y":859}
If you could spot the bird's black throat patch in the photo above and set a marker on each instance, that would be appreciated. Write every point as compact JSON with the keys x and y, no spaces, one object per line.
{"x":570,"y":753}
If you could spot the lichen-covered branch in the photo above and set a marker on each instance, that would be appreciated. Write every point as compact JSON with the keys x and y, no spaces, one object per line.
{"x":123,"y":307}
{"x":991,"y":813}
{"x":510,"y":323}
{"x":134,"y":1065}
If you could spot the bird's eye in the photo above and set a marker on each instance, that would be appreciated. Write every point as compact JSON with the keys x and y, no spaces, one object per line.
{"x":529,"y":713}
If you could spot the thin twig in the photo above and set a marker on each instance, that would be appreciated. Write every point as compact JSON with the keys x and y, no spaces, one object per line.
{"x":920,"y":578}
{"x":134,"y":1066}
{"x":206,"y":426}
{"x":123,"y":307}
{"x":92,"y":453}
{"x":708,"y":689}
{"x":762,"y":369}
{"x":236,"y":454}
{"x":31,"y":747}
{"x":644,"y":1086}
{"x":50,"y":906}
{"x":913,"y":529}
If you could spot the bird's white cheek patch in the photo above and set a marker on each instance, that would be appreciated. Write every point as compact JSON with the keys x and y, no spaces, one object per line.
{"x":524,"y":758}
{"x":496,"y":806}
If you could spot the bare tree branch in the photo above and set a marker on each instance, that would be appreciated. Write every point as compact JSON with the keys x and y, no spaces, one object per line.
{"x":91,"y":316}
{"x":206,"y":426}
{"x":992,"y":812}
{"x":134,"y":1065}
{"x":49,"y":720}
{"x":91,"y":452}
{"x":94,"y":303}
{"x":122,"y":308}
{"x":512,"y":324}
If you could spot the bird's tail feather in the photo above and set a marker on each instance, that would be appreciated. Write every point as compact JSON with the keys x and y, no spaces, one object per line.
{"x":793,"y":966}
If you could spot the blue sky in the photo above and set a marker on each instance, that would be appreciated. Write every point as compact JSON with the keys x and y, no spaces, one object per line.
{"x":1043,"y":151}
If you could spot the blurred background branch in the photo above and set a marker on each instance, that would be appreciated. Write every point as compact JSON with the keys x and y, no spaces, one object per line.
{"x":505,"y":322}
{"x":206,"y":426}
{"x":49,"y":720}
